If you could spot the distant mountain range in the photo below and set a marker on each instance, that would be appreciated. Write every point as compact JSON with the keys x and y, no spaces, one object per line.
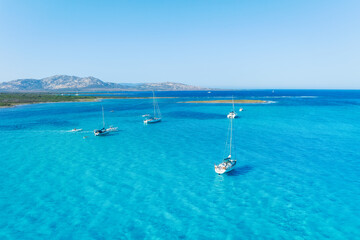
{"x":73,"y":83}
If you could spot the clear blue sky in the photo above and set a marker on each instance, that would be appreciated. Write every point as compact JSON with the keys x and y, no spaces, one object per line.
{"x":242,"y":44}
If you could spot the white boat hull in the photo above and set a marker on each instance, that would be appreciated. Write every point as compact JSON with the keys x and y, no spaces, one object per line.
{"x":152,"y":120}
{"x":103,"y":133}
{"x":225,"y":167}
{"x":232,"y":115}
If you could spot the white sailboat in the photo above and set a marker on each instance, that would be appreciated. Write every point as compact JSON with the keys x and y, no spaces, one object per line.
{"x":232,"y":114}
{"x":157,"y":115}
{"x":103,"y":131}
{"x":228,"y":163}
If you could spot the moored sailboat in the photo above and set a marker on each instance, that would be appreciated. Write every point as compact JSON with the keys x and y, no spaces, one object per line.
{"x":103,"y":131}
{"x":232,"y":114}
{"x":157,"y":114}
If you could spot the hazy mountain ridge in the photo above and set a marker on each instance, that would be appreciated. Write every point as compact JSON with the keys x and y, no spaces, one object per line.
{"x":65,"y":82}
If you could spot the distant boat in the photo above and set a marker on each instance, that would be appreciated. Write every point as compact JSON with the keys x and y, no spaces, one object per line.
{"x":228,"y":163}
{"x":157,"y":115}
{"x":241,"y":109}
{"x":103,"y":131}
{"x":232,"y":114}
{"x":209,"y":92}
{"x":76,"y":130}
{"x":112,"y":129}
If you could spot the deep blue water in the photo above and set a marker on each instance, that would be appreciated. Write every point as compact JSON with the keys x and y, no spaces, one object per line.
{"x":297,"y":175}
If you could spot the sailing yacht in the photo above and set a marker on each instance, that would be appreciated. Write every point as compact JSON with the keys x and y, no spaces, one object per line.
{"x":232,"y":114}
{"x":103,"y":131}
{"x":228,"y":163}
{"x":157,"y":115}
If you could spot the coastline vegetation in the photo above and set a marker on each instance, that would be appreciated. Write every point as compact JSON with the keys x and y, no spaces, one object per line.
{"x":11,"y":99}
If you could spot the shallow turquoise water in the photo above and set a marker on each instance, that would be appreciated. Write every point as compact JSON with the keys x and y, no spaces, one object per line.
{"x":297,"y":175}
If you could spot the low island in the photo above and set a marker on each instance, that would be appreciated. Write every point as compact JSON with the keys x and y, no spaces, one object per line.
{"x":227,"y":101}
{"x":13,"y":99}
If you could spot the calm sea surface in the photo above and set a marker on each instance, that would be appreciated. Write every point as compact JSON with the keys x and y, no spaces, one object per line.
{"x":297,"y":176}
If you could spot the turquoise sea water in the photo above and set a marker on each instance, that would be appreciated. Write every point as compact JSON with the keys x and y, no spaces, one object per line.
{"x":297,"y":176}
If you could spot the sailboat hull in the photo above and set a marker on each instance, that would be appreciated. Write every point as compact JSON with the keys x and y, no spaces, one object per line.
{"x":232,"y":116}
{"x":225,"y":167}
{"x":100,"y":132}
{"x":152,"y":120}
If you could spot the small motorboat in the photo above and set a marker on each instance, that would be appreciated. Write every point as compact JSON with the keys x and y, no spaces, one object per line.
{"x":241,"y":109}
{"x":112,"y":129}
{"x":76,"y":130}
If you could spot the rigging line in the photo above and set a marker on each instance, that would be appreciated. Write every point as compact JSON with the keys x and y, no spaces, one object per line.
{"x":103,"y":116}
{"x":154,"y":103}
{"x":231,"y":122}
{"x":158,"y":109}
{"x":226,"y":143}
{"x":234,"y":139}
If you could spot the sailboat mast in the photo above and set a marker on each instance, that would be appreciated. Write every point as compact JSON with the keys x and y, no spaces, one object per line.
{"x":154,"y":103}
{"x":103,"y":116}
{"x":231,"y":133}
{"x":233,"y":103}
